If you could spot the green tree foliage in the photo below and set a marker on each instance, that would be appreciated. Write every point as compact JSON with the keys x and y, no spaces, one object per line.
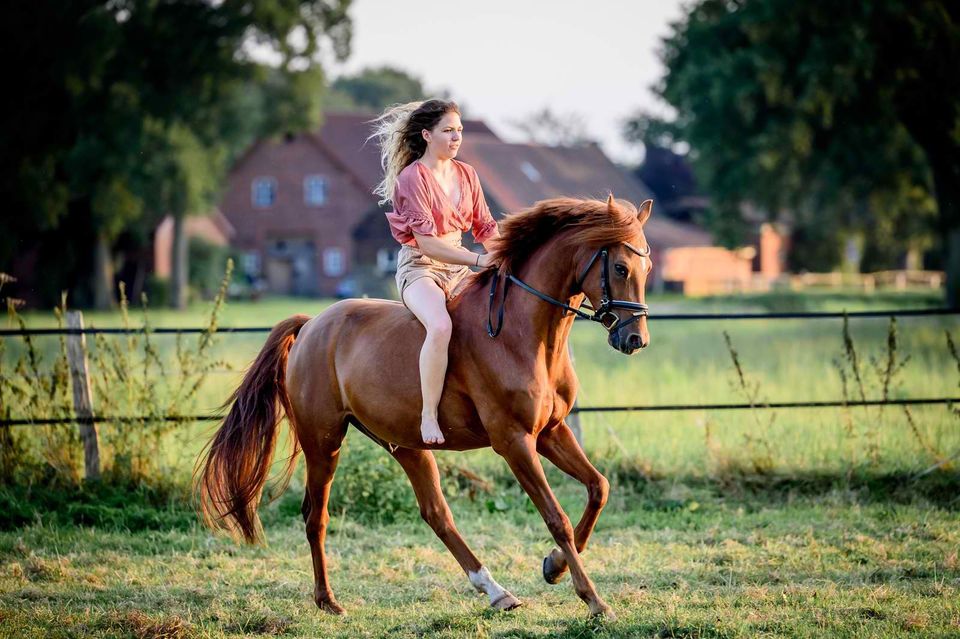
{"x":129,"y":110}
{"x":845,"y":114}
{"x":373,"y":89}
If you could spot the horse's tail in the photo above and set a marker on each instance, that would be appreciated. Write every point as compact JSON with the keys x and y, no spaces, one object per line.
{"x":230,"y":475}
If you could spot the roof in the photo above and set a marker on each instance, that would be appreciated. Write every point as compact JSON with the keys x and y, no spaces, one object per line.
{"x":344,"y":135}
{"x":516,"y":176}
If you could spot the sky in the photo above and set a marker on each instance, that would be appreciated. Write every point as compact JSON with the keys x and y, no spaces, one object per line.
{"x":505,"y":59}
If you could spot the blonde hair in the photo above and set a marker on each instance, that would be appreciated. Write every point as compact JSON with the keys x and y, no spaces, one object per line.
{"x":398,"y":133}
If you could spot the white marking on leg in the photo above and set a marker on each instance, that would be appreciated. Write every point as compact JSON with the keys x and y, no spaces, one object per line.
{"x":484,"y":582}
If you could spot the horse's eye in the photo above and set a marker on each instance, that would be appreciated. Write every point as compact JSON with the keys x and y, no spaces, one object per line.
{"x":621,"y":270}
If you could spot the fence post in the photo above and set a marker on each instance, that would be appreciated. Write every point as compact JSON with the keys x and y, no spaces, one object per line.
{"x":82,"y":398}
{"x":573,"y":419}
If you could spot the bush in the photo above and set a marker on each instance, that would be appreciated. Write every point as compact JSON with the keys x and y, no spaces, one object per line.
{"x":129,"y":506}
{"x":370,"y":486}
{"x":205,"y":266}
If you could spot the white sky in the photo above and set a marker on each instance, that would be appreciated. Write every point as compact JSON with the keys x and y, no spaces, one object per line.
{"x":505,"y":59}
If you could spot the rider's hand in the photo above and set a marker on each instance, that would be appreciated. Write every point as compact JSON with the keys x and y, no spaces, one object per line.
{"x":486,"y":261}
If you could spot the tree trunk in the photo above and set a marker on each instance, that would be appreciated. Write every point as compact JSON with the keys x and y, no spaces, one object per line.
{"x":178,"y":264}
{"x":102,"y":274}
{"x":946,"y":182}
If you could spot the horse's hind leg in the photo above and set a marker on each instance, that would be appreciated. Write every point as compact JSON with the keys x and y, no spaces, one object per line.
{"x":560,"y":446}
{"x":421,"y":468}
{"x":321,"y":450}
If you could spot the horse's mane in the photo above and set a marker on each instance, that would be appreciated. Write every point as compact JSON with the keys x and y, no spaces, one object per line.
{"x":591,"y":223}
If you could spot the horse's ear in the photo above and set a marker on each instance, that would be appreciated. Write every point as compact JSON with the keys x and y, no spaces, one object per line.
{"x":610,"y":204}
{"x":643,"y":214}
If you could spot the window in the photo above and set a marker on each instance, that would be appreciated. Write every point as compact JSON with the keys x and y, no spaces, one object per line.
{"x":333,"y":265}
{"x":251,"y":263}
{"x":263,"y":192}
{"x":530,"y":171}
{"x":387,"y":260}
{"x":314,"y":190}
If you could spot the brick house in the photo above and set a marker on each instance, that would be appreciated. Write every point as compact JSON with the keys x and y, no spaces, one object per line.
{"x":306,"y":219}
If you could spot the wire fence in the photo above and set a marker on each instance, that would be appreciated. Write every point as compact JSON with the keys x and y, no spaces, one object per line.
{"x":916,"y":312}
{"x":131,"y":419}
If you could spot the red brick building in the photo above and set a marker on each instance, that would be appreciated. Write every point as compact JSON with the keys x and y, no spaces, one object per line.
{"x":308,"y":223}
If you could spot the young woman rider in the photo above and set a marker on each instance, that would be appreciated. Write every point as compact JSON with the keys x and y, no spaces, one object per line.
{"x":436,"y":198}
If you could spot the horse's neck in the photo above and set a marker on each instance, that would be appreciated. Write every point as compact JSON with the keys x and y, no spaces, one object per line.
{"x":531,"y":325}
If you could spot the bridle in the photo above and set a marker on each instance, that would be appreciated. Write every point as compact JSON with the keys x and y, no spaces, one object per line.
{"x":604,"y":311}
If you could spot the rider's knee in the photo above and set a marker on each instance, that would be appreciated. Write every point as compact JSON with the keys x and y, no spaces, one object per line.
{"x":440,"y":328}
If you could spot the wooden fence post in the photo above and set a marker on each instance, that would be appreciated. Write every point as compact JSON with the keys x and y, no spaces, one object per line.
{"x":573,"y":420}
{"x":82,"y":398}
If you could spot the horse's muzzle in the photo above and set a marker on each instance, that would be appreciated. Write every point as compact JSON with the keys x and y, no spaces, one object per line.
{"x":629,"y":344}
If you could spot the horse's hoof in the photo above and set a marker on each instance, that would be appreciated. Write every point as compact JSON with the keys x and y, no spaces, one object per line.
{"x":331,"y":606}
{"x":506,"y":602}
{"x":551,"y":573}
{"x":603,"y":611}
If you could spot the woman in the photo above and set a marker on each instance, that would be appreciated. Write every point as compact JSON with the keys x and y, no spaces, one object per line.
{"x":435,"y":199}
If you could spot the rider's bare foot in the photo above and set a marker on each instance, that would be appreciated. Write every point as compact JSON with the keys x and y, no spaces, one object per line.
{"x":430,"y":430}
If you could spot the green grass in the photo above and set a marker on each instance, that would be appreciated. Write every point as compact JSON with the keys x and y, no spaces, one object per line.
{"x":674,"y":559}
{"x":826,"y":542}
{"x":688,"y":362}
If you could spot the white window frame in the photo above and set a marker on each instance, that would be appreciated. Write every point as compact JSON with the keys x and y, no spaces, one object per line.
{"x":251,"y":263}
{"x":387,"y":260}
{"x":530,"y":171}
{"x":334,"y":262}
{"x":315,"y":181}
{"x":256,"y":183}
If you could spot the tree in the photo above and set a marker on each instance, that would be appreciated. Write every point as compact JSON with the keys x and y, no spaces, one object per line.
{"x":131,"y":109}
{"x":553,"y":129}
{"x":374,"y":89}
{"x":846,"y":114}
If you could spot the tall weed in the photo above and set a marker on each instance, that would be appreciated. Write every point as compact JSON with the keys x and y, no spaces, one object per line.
{"x":148,"y":398}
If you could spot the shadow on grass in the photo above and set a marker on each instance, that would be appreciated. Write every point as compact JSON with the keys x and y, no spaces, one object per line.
{"x":940,"y":489}
{"x":142,"y":507}
{"x":599,"y":628}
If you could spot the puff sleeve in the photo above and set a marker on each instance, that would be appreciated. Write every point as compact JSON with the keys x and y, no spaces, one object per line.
{"x":483,"y":225}
{"x":413,"y":207}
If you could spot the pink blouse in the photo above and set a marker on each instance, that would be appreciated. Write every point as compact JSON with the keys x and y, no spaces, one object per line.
{"x":422,"y":206}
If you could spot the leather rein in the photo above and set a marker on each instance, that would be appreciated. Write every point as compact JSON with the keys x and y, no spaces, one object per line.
{"x":603,"y":313}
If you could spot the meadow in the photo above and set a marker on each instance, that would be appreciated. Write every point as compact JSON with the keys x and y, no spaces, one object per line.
{"x":813,"y":522}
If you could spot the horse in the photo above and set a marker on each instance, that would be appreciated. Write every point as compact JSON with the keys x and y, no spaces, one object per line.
{"x":509,"y":387}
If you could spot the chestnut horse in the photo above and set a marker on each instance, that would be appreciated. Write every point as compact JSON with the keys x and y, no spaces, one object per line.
{"x":356,"y":363}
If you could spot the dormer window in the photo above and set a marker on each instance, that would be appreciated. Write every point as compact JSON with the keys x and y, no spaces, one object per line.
{"x":530,"y":171}
{"x":314,"y":190}
{"x":263,"y":192}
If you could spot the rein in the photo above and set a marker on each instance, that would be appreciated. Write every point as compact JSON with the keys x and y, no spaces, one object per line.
{"x":603,"y":313}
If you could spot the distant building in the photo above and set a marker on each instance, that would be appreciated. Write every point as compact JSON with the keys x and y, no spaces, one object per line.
{"x":307,"y":222}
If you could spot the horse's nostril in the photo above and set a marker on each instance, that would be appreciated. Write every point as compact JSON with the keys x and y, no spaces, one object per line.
{"x":634,"y":342}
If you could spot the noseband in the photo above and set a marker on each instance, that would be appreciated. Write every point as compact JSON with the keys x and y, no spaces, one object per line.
{"x":603,"y":313}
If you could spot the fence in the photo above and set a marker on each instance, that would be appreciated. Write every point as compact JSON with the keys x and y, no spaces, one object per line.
{"x":87,"y":420}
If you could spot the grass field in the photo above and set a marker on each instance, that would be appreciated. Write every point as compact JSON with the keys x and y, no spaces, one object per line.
{"x":673,"y":559}
{"x":828,"y":540}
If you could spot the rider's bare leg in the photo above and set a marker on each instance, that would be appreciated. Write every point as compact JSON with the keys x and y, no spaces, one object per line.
{"x":429,"y":303}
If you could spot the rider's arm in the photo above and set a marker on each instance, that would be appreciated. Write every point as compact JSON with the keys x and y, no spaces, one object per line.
{"x":436,"y":249}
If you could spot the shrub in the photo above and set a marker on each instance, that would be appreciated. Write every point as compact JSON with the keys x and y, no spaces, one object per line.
{"x":370,"y":486}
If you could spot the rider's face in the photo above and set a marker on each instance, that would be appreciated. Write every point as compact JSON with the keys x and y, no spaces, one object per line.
{"x":443,"y":140}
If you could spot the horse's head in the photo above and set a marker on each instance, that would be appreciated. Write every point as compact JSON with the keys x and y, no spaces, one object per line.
{"x":614,"y":278}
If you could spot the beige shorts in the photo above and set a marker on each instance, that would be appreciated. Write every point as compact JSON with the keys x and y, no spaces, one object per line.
{"x":413,"y":265}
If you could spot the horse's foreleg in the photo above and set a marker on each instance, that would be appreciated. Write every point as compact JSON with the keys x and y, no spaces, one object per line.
{"x":560,"y":446}
{"x":321,"y":464}
{"x":421,"y":468}
{"x":521,"y":454}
